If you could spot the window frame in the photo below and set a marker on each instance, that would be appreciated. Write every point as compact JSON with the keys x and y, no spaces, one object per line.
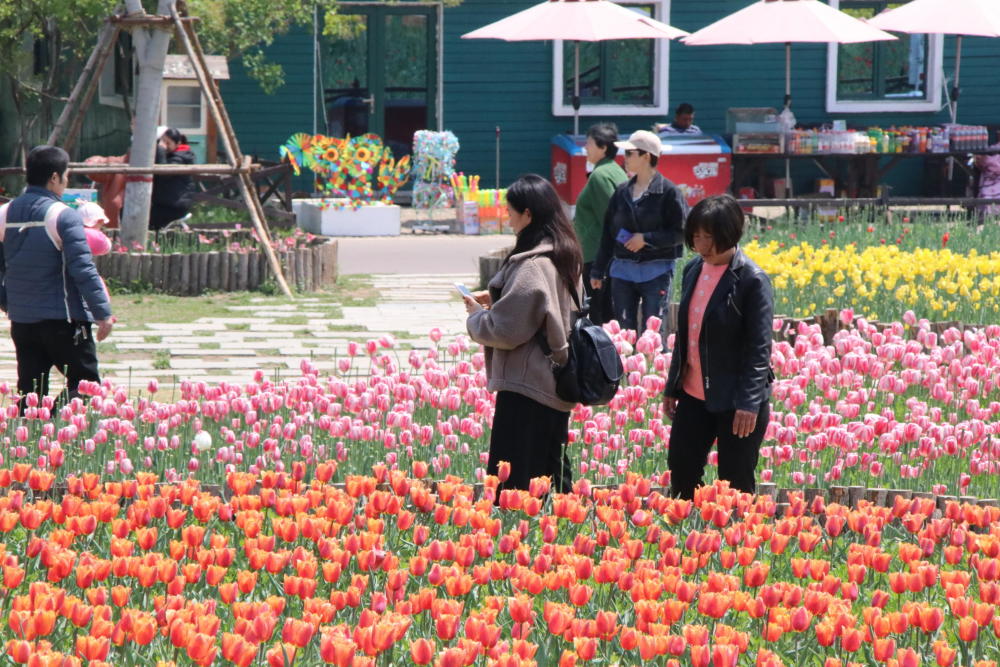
{"x":934,"y":73}
{"x":561,"y":106}
{"x":165,"y":104}
{"x":107,"y":93}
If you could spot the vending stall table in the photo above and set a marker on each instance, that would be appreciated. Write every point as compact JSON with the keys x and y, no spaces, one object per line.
{"x":700,"y":165}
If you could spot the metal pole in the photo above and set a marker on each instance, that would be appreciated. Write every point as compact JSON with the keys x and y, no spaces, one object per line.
{"x":958,"y":69}
{"x":315,"y":67}
{"x":788,"y":104}
{"x":498,"y":157}
{"x":576,"y":87}
{"x":788,"y":74}
{"x":954,"y":97}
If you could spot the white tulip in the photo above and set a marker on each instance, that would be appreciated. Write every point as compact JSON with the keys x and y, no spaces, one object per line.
{"x":203,"y":441}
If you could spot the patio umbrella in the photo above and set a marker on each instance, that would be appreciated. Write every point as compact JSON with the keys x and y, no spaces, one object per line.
{"x":576,"y":21}
{"x":979,"y":18}
{"x":786,"y":21}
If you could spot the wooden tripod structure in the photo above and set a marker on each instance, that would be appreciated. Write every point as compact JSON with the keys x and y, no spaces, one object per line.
{"x":67,"y":127}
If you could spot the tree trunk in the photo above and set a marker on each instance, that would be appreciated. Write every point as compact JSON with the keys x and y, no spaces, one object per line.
{"x":151,"y":52}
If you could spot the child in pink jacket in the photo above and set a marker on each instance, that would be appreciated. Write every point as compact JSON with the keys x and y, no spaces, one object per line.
{"x":93,"y":219}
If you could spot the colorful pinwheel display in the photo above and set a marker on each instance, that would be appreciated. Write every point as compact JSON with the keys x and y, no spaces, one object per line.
{"x":361,"y":169}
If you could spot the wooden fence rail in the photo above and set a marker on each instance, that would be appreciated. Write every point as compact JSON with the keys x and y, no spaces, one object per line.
{"x":191,"y":274}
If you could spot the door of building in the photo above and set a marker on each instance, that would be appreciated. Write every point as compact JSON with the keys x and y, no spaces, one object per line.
{"x":379,"y":73}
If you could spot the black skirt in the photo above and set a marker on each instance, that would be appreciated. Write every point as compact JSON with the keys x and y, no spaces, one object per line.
{"x":532,"y":438}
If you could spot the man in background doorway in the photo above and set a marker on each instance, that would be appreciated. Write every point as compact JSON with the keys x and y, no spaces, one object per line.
{"x":683,"y":122}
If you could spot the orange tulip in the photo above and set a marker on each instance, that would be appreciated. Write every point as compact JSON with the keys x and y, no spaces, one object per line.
{"x":968,"y":629}
{"x":337,"y":650}
{"x":944,"y":654}
{"x":92,"y":648}
{"x":422,"y":651}
{"x":19,"y":650}
{"x":883,"y":648}
{"x":297,"y":632}
{"x":281,"y":655}
{"x":201,"y":649}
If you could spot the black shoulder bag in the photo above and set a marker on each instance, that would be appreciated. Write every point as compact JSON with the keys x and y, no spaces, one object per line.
{"x":593,"y":369}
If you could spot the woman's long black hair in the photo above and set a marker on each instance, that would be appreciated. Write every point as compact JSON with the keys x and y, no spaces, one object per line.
{"x":548,"y":223}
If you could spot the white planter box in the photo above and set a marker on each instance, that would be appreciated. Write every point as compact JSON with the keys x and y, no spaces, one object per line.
{"x":374,"y":220}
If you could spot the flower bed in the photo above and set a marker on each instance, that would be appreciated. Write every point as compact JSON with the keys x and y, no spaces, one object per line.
{"x":939,"y":271}
{"x":902,"y":407}
{"x":302,"y":572}
{"x":297,"y":522}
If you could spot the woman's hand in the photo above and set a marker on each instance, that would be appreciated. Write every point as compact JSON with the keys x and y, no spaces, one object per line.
{"x":669,"y":406}
{"x":483,"y":298}
{"x":471,"y":305}
{"x":744,"y":423}
{"x":636,"y":243}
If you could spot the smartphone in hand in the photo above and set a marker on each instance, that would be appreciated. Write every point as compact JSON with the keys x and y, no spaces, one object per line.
{"x":623,"y":236}
{"x":463,"y":290}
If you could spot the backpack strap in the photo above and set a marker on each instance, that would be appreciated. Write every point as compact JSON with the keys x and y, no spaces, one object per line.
{"x":540,"y":334}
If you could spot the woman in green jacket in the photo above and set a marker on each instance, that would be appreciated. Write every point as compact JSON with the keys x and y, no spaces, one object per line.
{"x":593,"y":200}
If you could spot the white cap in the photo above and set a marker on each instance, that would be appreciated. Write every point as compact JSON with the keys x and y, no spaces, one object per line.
{"x":93,"y":215}
{"x":644,"y":140}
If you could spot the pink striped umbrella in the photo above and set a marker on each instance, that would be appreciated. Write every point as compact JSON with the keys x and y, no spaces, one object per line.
{"x":786,"y":21}
{"x":577,"y":21}
{"x":979,"y":18}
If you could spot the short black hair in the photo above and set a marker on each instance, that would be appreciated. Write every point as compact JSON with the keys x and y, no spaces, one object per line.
{"x":43,"y":161}
{"x":683,"y":108}
{"x":605,"y":135}
{"x":175,"y":135}
{"x":721,"y":217}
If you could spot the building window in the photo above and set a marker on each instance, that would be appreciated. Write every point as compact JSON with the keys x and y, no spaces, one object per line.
{"x":118,"y":76}
{"x":899,"y":75}
{"x":183,"y":108}
{"x":623,"y":77}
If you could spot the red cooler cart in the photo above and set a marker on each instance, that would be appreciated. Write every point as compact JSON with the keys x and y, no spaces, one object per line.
{"x":699,"y":164}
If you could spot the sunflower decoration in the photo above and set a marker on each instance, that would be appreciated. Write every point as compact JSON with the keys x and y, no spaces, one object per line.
{"x":360,"y":169}
{"x":331,"y":154}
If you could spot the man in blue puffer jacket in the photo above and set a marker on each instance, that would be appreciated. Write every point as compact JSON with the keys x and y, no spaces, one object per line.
{"x":49,"y":285}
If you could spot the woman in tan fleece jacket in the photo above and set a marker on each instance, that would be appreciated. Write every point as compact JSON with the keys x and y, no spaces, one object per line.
{"x":530,"y":294}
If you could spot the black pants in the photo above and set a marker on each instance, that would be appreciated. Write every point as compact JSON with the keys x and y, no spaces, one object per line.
{"x":691,"y":436}
{"x":601,"y":310}
{"x":161,"y":215}
{"x":531,"y":436}
{"x":69,"y":346}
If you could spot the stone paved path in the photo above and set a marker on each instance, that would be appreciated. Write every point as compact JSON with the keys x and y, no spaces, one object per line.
{"x":272,"y":334}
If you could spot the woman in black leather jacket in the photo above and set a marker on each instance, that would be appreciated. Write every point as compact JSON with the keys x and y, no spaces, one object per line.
{"x":718,"y":387}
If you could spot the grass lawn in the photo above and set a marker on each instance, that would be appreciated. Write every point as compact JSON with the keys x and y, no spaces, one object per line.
{"x":135,"y":309}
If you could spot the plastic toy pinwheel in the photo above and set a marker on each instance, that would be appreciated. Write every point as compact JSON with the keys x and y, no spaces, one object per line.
{"x":361,"y":170}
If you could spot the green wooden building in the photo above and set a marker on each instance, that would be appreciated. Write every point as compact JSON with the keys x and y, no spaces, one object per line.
{"x":406,"y":63}
{"x":401,"y":66}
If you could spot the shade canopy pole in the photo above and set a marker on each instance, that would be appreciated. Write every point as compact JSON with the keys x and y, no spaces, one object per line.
{"x":576,"y":87}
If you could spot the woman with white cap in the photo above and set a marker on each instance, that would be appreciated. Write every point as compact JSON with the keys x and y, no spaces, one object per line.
{"x":643,"y":236}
